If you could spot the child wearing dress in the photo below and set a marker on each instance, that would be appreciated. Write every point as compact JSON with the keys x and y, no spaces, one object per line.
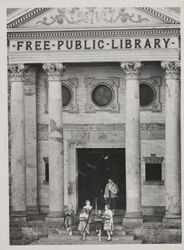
{"x":99,"y":224}
{"x":108,"y":224}
{"x":68,"y":218}
{"x":88,"y":209}
{"x":83,"y":217}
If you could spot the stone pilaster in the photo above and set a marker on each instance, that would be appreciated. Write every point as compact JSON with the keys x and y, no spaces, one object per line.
{"x":17,"y":155}
{"x":56,"y":166}
{"x":172,"y":141}
{"x":132,"y":142}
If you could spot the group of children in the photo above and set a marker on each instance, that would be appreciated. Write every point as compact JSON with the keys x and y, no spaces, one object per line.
{"x":103,"y":221}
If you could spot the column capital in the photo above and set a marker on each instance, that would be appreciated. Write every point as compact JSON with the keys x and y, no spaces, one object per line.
{"x":171,"y":69}
{"x":131,"y":69}
{"x":54,"y":71}
{"x":17,"y":72}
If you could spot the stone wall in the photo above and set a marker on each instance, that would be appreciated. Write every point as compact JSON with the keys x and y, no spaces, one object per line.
{"x":84,"y":129}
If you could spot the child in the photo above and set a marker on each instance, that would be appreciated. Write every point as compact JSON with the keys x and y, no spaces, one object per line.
{"x":82,"y":223}
{"x":68,"y":218}
{"x":108,"y":224}
{"x":88,"y":209}
{"x":98,"y":223}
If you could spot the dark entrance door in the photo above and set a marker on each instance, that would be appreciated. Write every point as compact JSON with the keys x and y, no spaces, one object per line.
{"x":95,"y":166}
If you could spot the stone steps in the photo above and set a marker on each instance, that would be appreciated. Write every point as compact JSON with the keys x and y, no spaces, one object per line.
{"x":77,"y":240}
{"x":93,"y":233}
{"x":92,"y":236}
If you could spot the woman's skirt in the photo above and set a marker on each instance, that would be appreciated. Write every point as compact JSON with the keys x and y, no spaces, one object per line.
{"x":108,"y":225}
{"x":98,"y":225}
{"x":82,"y":226}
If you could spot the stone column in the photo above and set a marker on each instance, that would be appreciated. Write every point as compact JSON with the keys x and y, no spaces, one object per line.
{"x":132,"y":142}
{"x":56,"y":166}
{"x":172,"y":141}
{"x":17,"y":139}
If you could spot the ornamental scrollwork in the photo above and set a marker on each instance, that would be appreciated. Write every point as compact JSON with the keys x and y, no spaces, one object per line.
{"x":17,"y":72}
{"x":171,"y":69}
{"x":54,"y":70}
{"x":131,"y":69}
{"x":91,"y":15}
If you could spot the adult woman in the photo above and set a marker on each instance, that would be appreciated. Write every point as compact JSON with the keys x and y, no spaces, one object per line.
{"x":111,"y":194}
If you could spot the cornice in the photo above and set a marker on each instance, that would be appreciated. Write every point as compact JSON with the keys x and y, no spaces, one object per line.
{"x":94,"y":33}
{"x":20,"y":19}
{"x":161,"y":16}
{"x":26,"y":17}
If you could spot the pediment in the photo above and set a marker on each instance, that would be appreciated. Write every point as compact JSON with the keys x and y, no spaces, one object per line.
{"x":91,"y":17}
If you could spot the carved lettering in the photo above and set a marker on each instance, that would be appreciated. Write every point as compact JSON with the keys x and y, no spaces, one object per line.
{"x":94,"y":44}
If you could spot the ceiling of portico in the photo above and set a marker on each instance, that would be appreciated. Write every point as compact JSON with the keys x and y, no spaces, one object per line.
{"x":92,"y":17}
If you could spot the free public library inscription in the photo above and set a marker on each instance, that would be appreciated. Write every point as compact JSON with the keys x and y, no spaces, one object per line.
{"x":94,"y":44}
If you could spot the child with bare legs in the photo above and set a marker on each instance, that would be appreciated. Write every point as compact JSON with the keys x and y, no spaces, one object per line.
{"x":108,"y":223}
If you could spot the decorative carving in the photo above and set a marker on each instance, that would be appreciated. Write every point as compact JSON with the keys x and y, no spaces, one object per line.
{"x":153,"y":159}
{"x":112,"y":13}
{"x":154,"y":83}
{"x":17,"y":72}
{"x":77,"y":143}
{"x":92,"y":83}
{"x":54,"y":71}
{"x":102,"y":136}
{"x":91,"y":15}
{"x":171,"y":69}
{"x":131,"y":69}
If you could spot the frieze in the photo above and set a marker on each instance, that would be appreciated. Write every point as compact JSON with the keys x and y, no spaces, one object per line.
{"x":104,"y":127}
{"x":149,"y":131}
{"x":91,"y":15}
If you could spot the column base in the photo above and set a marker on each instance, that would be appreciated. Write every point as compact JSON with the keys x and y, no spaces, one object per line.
{"x":133,"y":218}
{"x":32,"y":210}
{"x":19,"y":217}
{"x":172,"y":220}
{"x":54,"y":218}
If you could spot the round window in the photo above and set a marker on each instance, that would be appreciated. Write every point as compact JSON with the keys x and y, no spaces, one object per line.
{"x":147,"y":95}
{"x":102,"y":95}
{"x":66,"y":95}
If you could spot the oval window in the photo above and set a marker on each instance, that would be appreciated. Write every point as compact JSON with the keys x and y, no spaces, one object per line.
{"x":66,"y":95}
{"x":102,"y":95}
{"x":147,"y":95}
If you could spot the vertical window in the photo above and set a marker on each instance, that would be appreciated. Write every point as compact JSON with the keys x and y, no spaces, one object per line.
{"x":46,"y":180}
{"x":153,"y":172}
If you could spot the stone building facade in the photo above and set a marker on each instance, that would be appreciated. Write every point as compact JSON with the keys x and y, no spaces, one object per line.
{"x":95,"y":93}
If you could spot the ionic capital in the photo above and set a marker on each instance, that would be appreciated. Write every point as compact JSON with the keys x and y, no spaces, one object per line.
{"x":131,"y":69}
{"x":17,"y":72}
{"x":54,"y":71}
{"x":171,"y":69}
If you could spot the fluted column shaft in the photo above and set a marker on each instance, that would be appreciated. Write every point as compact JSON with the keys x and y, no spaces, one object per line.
{"x":18,"y":156}
{"x":172,"y":140}
{"x":56,"y":168}
{"x":132,"y":141}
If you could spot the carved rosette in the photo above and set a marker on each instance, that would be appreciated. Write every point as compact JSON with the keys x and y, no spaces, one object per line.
{"x":54,"y":71}
{"x":17,"y":72}
{"x":171,"y":69}
{"x":131,"y":69}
